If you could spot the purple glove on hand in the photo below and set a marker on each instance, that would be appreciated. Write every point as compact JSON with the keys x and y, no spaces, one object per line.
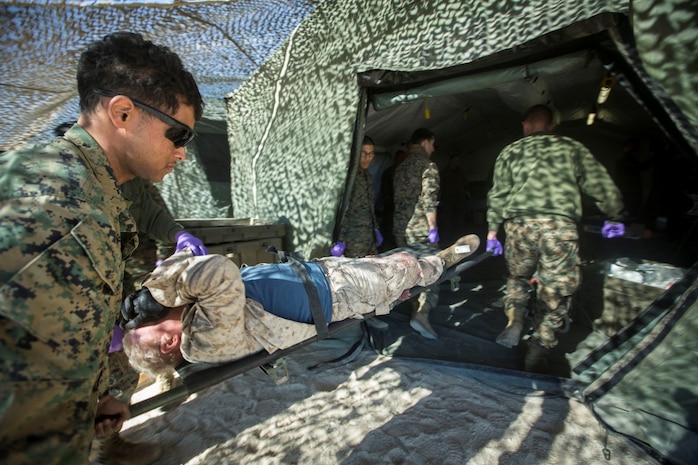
{"x":117,"y":339}
{"x":612,"y":229}
{"x":184,"y":239}
{"x":337,"y":249}
{"x":379,"y":238}
{"x":433,"y":236}
{"x":495,"y":247}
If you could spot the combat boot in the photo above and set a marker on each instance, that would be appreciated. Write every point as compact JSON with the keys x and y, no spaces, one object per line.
{"x":512,"y":333}
{"x":459,"y":250}
{"x":115,"y":450}
{"x":419,"y":321}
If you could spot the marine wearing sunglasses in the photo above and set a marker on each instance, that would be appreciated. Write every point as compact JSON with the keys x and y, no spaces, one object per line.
{"x":180,"y":134}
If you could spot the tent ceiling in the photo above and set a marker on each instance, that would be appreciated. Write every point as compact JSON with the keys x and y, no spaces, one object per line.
{"x":478,"y":109}
{"x":223,"y":43}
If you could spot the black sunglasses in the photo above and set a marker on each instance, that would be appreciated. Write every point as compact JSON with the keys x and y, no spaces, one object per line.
{"x":180,"y":134}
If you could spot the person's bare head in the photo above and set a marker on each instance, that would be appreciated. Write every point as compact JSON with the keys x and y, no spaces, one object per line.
{"x":538,"y":118}
{"x":154,"y":348}
{"x":139,"y":102}
{"x":368,"y":151}
{"x":424,"y":138}
{"x":454,"y":161}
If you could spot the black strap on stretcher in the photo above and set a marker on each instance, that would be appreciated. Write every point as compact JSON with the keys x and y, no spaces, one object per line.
{"x":198,"y":376}
{"x":321,"y":326}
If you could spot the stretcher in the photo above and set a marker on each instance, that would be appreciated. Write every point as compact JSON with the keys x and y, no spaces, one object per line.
{"x":198,"y":376}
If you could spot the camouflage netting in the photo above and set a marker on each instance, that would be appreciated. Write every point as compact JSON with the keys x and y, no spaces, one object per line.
{"x":291,"y":126}
{"x":222,"y":43}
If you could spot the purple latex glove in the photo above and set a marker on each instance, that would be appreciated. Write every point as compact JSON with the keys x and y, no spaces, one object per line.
{"x":117,"y":339}
{"x":379,"y":238}
{"x":495,"y":247}
{"x":433,"y":236}
{"x":612,"y":229}
{"x":337,"y":249}
{"x":184,"y":239}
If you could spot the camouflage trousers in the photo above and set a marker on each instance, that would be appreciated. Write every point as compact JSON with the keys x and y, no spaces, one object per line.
{"x":360,"y":247}
{"x":429,"y":298}
{"x":361,"y":286}
{"x":123,"y":379}
{"x":548,"y":249}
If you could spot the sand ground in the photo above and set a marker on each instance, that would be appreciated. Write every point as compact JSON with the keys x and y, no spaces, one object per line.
{"x":377,"y":410}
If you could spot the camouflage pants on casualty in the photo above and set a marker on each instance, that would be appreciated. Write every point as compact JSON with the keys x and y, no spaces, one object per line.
{"x":430,"y":298}
{"x":548,"y":248}
{"x":361,"y":286}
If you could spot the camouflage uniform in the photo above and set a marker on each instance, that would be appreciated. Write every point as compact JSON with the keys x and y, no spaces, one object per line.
{"x":156,"y":230}
{"x":536,"y":193}
{"x":221,"y":313}
{"x":122,"y":380}
{"x":65,"y":231}
{"x":156,"y":236}
{"x":359,"y":225}
{"x":416,"y":193}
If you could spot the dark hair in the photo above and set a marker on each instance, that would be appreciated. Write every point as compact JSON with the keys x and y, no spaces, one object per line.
{"x":62,"y":128}
{"x":421,"y":134}
{"x":125,"y":62}
{"x":368,"y":141}
{"x":540,"y":113}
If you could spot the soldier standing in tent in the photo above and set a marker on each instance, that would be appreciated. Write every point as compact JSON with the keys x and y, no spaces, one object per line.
{"x":536,"y":194}
{"x":416,"y":191}
{"x":359,"y":234}
{"x":65,"y":231}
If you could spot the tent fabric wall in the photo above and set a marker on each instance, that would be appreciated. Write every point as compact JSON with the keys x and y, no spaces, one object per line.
{"x":291,"y":124}
{"x":476,"y":107}
{"x":200,"y":186}
{"x":674,"y":90}
{"x":648,"y":393}
{"x":189,"y":192}
{"x":665,"y":34}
